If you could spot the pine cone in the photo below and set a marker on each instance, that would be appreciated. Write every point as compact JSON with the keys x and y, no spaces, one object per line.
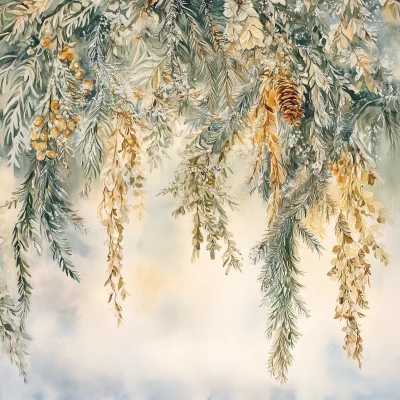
{"x":289,"y":100}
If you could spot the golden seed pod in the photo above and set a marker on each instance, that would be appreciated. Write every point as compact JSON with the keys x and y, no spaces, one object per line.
{"x":74,"y":66}
{"x":45,"y":42}
{"x":30,"y":51}
{"x":66,"y":49}
{"x":34,"y":144}
{"x":54,"y":133}
{"x":79,"y":74}
{"x":67,"y":133}
{"x":52,"y":117}
{"x":55,"y":104}
{"x":60,"y":123}
{"x":42,"y":146}
{"x":62,"y":56}
{"x":77,"y":119}
{"x":51,"y":154}
{"x":35,"y":135}
{"x":70,"y":56}
{"x":38,"y":121}
{"x":71,"y":125}
{"x":40,"y":155}
{"x":44,"y":136}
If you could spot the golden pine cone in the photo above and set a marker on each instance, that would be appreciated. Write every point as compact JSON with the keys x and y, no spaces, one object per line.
{"x":289,"y":100}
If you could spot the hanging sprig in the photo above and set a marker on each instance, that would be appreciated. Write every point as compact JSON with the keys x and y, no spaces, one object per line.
{"x":355,"y":240}
{"x":122,"y":171}
{"x":201,"y":189}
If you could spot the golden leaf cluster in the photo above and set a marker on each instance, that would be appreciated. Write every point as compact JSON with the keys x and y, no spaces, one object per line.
{"x":351,"y":26}
{"x":362,"y":62}
{"x":26,"y":13}
{"x":265,"y":141}
{"x":320,"y":86}
{"x":350,"y":35}
{"x":356,"y":239}
{"x":123,"y":167}
{"x":244,"y":29}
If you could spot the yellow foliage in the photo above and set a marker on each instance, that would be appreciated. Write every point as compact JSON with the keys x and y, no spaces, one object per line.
{"x":265,"y":141}
{"x":355,"y":240}
{"x":123,"y":164}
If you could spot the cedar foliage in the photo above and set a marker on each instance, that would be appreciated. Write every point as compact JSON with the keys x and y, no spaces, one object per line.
{"x":100,"y":88}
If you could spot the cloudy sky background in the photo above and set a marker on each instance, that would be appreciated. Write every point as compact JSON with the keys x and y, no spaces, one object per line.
{"x":190,"y":331}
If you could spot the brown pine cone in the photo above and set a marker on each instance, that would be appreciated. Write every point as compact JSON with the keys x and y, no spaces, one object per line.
{"x":289,"y":100}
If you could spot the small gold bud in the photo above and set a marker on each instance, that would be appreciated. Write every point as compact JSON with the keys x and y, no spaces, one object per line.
{"x":45,"y":42}
{"x":79,"y":74}
{"x":51,"y":154}
{"x":44,"y":137}
{"x":38,"y":121}
{"x":42,"y":146}
{"x":40,"y":155}
{"x":55,"y":104}
{"x":54,"y":133}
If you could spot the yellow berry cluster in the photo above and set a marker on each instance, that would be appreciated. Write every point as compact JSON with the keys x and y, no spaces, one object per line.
{"x":67,"y":55}
{"x":60,"y":123}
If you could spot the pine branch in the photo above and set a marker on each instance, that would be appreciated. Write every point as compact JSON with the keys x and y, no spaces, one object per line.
{"x":281,"y":292}
{"x":54,"y":211}
{"x":202,"y":49}
{"x":309,"y":238}
{"x":218,"y":132}
{"x":24,"y":93}
{"x":12,"y":337}
{"x":280,"y":273}
{"x":26,"y":230}
{"x":91,"y":146}
{"x":98,"y":126}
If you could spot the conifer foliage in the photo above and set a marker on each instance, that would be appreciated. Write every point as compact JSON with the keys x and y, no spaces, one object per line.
{"x":99,"y":89}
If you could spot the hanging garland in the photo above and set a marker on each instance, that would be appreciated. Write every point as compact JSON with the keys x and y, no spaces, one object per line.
{"x":101,"y":88}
